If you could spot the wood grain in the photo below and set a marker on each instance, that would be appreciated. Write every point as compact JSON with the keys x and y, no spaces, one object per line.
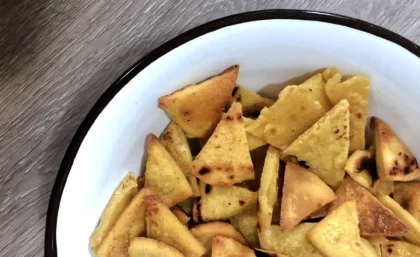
{"x":58,"y":57}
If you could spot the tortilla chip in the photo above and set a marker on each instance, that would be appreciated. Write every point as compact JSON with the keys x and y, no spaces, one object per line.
{"x":176,"y":143}
{"x":376,"y":242}
{"x":187,"y":205}
{"x":393,"y":160}
{"x":413,"y":235}
{"x":413,"y":206}
{"x":292,"y":243}
{"x":360,"y":165}
{"x":181,"y":215}
{"x":267,"y":193}
{"x":119,"y":200}
{"x":382,"y":187}
{"x":198,"y":108}
{"x":131,"y":223}
{"x":324,"y":147}
{"x":356,"y":91}
{"x":265,"y":253}
{"x":399,"y":249}
{"x":297,"y":108}
{"x":229,"y":247}
{"x":207,"y":231}
{"x":328,"y":73}
{"x":163,"y":174}
{"x":253,"y":141}
{"x":225,"y":159}
{"x":142,"y":246}
{"x":246,"y":223}
{"x":367,"y":249}
{"x":303,"y":194}
{"x":320,"y":213}
{"x":338,"y":233}
{"x":222,"y":202}
{"x":164,"y":226}
{"x":403,"y":191}
{"x":251,"y":102}
{"x":374,"y":217}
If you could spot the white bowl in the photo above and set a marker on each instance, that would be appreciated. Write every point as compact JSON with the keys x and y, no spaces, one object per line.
{"x":270,"y":47}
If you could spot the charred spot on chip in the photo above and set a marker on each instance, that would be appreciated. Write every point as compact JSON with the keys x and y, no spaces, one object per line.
{"x":407,"y":170}
{"x":231,"y":176}
{"x":336,"y":131}
{"x":241,"y":202}
{"x":208,"y":189}
{"x":167,"y":135}
{"x":228,"y":117}
{"x":400,"y":153}
{"x":368,"y":164}
{"x":186,"y":113}
{"x":235,"y":89}
{"x":389,"y":250}
{"x":414,"y":163}
{"x":255,"y":114}
{"x":203,"y":171}
{"x":303,"y":164}
{"x":359,"y":115}
{"x":239,"y":98}
{"x":239,"y":116}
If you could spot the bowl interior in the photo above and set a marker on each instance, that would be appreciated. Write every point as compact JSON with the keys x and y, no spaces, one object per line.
{"x":269,"y":53}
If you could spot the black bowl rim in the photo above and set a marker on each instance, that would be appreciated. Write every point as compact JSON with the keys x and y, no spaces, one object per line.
{"x":54,"y":204}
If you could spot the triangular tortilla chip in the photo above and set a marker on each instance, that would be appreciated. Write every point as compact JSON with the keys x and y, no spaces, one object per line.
{"x":356,"y":91}
{"x":175,"y":141}
{"x":393,"y":159}
{"x":292,"y":243}
{"x":253,"y":141}
{"x":163,"y":174}
{"x":325,"y":146}
{"x":228,"y":247}
{"x":142,"y":246}
{"x":118,"y":202}
{"x":413,"y":235}
{"x":399,"y":249}
{"x":163,"y":226}
{"x":338,"y":233}
{"x":265,"y":253}
{"x":297,"y":108}
{"x":207,"y":231}
{"x":246,"y":223}
{"x":374,"y":218}
{"x":225,"y":158}
{"x":303,"y":194}
{"x":267,"y":193}
{"x":198,"y":108}
{"x":222,"y":202}
{"x":251,"y":102}
{"x":130,"y":223}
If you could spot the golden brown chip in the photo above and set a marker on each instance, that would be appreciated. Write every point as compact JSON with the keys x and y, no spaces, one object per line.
{"x":328,"y":73}
{"x":198,"y":108}
{"x":225,"y":159}
{"x":267,"y":193}
{"x":163,"y":174}
{"x":130,"y":223}
{"x":367,"y":249}
{"x":338,"y":233}
{"x":119,"y":200}
{"x":251,"y":102}
{"x":265,"y":253}
{"x":142,"y":246}
{"x":164,"y":226}
{"x":246,"y":223}
{"x":324,"y":146}
{"x":253,"y":141}
{"x":393,"y":160}
{"x":399,"y":249}
{"x":360,"y":165}
{"x":297,"y":108}
{"x":229,"y":247}
{"x":356,"y":91}
{"x":382,"y":187}
{"x":207,"y":231}
{"x":374,"y":217}
{"x":181,"y":215}
{"x":413,"y":235}
{"x":292,"y":243}
{"x":222,"y":202}
{"x":403,"y":192}
{"x":176,"y":143}
{"x":187,"y":205}
{"x":413,"y":206}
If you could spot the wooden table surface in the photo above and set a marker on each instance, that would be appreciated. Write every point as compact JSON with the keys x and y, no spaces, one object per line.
{"x":58,"y":57}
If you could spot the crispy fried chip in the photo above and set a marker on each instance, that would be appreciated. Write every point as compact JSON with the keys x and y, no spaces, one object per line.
{"x":119,"y":200}
{"x":265,"y":253}
{"x":367,"y":249}
{"x":399,"y":249}
{"x":225,"y":158}
{"x":356,"y":91}
{"x":164,"y":226}
{"x":393,"y":160}
{"x":130,"y":223}
{"x":141,"y":247}
{"x":246,"y":223}
{"x":253,"y":141}
{"x":360,"y":165}
{"x":328,"y":73}
{"x":374,"y":217}
{"x":251,"y":102}
{"x":404,"y":191}
{"x":324,"y":147}
{"x":228,"y":247}
{"x":297,"y":108}
{"x":303,"y":194}
{"x":413,"y":206}
{"x":413,"y":235}
{"x":175,"y":141}
{"x":163,"y":174}
{"x":181,"y":215}
{"x":198,"y":108}
{"x":338,"y":233}
{"x":292,"y":243}
{"x":222,"y":202}
{"x":267,"y":193}
{"x":207,"y":231}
